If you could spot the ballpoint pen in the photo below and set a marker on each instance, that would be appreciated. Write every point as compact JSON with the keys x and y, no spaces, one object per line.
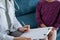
{"x":26,"y":26}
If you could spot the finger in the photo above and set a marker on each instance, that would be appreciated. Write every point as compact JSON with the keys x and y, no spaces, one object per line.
{"x":28,"y":38}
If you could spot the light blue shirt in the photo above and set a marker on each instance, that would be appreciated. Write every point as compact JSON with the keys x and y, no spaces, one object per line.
{"x":3,"y":21}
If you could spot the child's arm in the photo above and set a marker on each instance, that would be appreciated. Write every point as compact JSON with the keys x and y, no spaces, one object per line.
{"x":38,"y":14}
{"x":57,"y":23}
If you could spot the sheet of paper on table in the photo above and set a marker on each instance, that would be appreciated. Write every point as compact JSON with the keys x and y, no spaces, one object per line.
{"x":37,"y":33}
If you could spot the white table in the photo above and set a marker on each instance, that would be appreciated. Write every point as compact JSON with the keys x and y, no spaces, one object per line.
{"x":38,"y":33}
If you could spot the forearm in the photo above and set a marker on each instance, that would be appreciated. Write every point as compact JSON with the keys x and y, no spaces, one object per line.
{"x":18,"y":38}
{"x":22,"y":38}
{"x":57,"y":23}
{"x":15,"y":38}
{"x":39,"y":21}
{"x":38,"y":14}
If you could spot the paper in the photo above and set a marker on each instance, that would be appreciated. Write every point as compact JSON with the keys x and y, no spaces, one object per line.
{"x":38,"y":33}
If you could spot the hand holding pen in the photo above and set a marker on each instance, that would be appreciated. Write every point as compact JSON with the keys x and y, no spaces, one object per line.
{"x":26,"y":28}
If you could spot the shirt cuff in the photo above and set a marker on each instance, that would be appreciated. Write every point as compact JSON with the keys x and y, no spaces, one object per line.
{"x":39,"y":23}
{"x":17,"y":26}
{"x":56,"y":25}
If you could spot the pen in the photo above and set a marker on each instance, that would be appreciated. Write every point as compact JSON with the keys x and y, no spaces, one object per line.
{"x":23,"y":23}
{"x":26,"y":26}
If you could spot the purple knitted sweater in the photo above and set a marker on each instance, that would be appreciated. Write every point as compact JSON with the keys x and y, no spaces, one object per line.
{"x":48,"y":13}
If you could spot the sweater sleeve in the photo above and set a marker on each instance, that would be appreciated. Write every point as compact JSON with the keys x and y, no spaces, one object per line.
{"x":57,"y":23}
{"x":38,"y":14}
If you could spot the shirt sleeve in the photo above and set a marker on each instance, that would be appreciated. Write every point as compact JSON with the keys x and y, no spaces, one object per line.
{"x":38,"y":14}
{"x":5,"y":37}
{"x":16,"y":23}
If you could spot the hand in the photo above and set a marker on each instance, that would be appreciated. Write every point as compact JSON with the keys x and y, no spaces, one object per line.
{"x":43,"y":25}
{"x":52,"y":32}
{"x":53,"y":28}
{"x":22,"y":38}
{"x":28,"y":27}
{"x":25,"y":28}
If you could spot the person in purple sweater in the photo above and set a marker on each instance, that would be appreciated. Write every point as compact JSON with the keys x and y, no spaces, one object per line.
{"x":48,"y":15}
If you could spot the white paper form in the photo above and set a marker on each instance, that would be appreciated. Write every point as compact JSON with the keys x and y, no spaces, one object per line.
{"x":37,"y":33}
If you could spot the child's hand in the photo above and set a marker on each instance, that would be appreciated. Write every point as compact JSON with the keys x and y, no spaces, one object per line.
{"x":43,"y":25}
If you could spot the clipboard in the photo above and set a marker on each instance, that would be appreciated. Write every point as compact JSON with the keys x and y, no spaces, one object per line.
{"x":37,"y":33}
